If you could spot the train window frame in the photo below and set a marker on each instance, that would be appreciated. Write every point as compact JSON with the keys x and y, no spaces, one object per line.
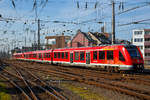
{"x":82,"y":55}
{"x":121,"y":57}
{"x":76,"y":55}
{"x":66,"y":55}
{"x":94,"y":55}
{"x":110,"y":55}
{"x":101,"y":57}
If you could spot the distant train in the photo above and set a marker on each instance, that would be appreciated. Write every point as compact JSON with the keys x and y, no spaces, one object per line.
{"x":109,"y":57}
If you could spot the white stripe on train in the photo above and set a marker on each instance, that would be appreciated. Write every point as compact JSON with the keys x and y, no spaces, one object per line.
{"x":121,"y":67}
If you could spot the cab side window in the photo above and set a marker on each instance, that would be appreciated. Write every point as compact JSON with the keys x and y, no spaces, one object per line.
{"x":121,"y":58}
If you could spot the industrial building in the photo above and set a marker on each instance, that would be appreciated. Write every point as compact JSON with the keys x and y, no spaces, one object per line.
{"x":141,"y":38}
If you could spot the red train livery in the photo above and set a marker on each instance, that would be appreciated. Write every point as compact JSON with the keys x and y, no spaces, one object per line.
{"x":109,"y":57}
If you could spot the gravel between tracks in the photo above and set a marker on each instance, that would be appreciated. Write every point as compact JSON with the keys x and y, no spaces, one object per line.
{"x":72,"y":95}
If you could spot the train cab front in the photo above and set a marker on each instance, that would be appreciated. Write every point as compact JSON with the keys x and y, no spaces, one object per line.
{"x":135,"y":57}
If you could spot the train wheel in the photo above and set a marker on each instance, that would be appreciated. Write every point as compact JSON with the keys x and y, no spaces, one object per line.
{"x":109,"y":69}
{"x":122,"y":72}
{"x":113,"y":69}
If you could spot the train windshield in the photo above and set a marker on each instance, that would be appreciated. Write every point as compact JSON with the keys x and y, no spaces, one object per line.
{"x":133,"y":51}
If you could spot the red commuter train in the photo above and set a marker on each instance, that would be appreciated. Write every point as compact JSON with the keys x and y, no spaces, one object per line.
{"x":109,"y":57}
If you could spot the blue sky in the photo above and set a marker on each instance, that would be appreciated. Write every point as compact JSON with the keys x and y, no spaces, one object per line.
{"x":67,"y":11}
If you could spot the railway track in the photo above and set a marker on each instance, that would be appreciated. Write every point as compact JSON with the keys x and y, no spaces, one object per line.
{"x":31,"y":87}
{"x":92,"y":79}
{"x":112,"y":81}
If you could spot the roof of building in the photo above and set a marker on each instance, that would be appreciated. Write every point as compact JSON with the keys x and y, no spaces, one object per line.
{"x":146,"y":29}
{"x":101,"y":37}
{"x":86,"y":35}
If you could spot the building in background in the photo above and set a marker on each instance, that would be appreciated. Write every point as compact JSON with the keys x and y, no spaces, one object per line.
{"x":141,"y":38}
{"x":59,"y":41}
{"x":82,"y":39}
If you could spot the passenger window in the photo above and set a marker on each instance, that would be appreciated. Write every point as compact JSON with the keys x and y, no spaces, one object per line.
{"x":27,"y":55}
{"x":62,"y":55}
{"x":121,"y":58}
{"x":101,"y":54}
{"x":48,"y":55}
{"x":66,"y":54}
{"x":82,"y":56}
{"x":110,"y":55}
{"x":95,"y":55}
{"x":55,"y":55}
{"x":34,"y":55}
{"x":40,"y":55}
{"x":58,"y":54}
{"x":45,"y":55}
{"x":76,"y":56}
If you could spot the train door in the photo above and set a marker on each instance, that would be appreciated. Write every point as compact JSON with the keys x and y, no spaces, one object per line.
{"x":41,"y":56}
{"x":71,"y":57}
{"x":88,"y":57}
{"x":51,"y":57}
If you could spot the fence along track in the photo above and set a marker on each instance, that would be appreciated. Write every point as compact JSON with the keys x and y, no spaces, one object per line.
{"x":53,"y":97}
{"x":131,"y":92}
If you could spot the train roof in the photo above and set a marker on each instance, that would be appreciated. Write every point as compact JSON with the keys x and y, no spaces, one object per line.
{"x":77,"y":48}
{"x":114,"y":45}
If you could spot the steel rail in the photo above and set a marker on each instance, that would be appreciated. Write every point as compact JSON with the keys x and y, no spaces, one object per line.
{"x":42,"y":82}
{"x":104,"y":85}
{"x":25,"y":82}
{"x":45,"y":84}
{"x":15,"y":85}
{"x":33,"y":83}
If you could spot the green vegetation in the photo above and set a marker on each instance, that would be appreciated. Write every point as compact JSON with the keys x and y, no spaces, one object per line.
{"x":84,"y":92}
{"x":3,"y":92}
